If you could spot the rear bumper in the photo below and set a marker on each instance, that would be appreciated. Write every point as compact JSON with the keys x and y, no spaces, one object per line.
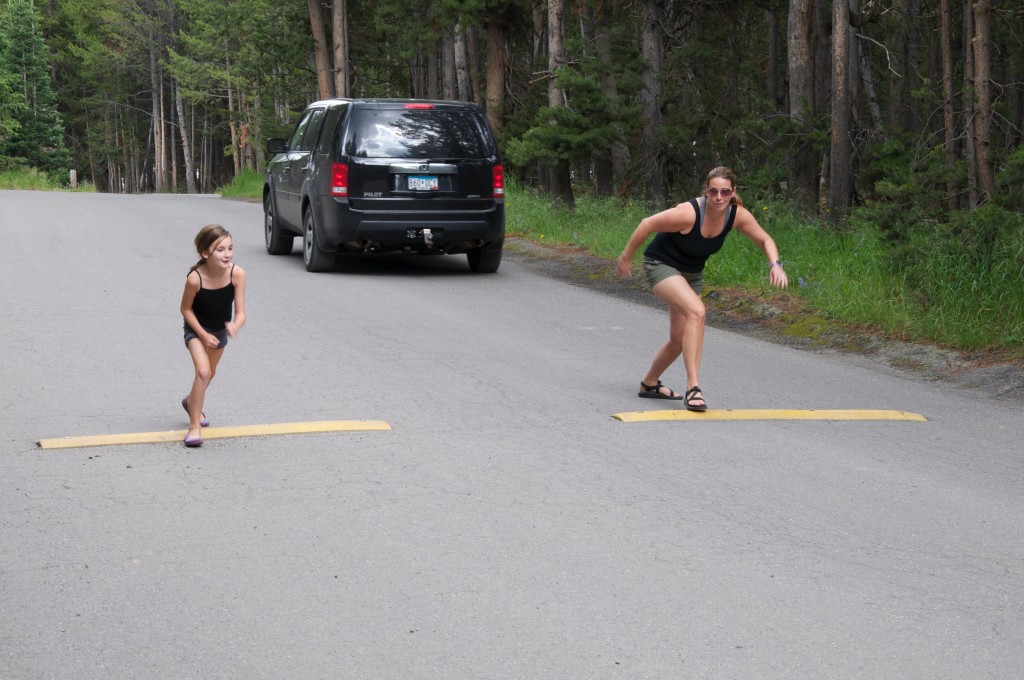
{"x":343,"y":228}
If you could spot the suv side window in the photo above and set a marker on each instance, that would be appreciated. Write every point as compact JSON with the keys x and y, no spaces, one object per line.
{"x":329,"y":137}
{"x":296,"y":139}
{"x":314,"y":119}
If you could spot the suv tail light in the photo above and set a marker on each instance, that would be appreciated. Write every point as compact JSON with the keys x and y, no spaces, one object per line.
{"x":499,"y":181}
{"x":418,"y":105}
{"x":339,"y":180}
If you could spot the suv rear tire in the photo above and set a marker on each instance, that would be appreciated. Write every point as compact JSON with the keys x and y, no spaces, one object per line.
{"x":315,"y":258}
{"x":278,"y":242}
{"x":484,"y":260}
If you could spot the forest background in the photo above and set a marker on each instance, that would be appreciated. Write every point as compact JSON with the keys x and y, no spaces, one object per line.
{"x":887,"y":135}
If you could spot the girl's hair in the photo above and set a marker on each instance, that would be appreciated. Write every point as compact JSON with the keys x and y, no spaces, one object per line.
{"x":206,"y":239}
{"x":725,"y":173}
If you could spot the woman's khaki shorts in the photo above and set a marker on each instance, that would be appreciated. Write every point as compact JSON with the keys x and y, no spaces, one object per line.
{"x":657,"y":271}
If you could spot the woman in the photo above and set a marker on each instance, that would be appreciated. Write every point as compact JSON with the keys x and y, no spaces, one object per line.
{"x":686,"y":236}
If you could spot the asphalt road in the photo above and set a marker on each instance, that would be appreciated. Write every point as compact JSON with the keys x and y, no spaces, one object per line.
{"x":507,"y":526}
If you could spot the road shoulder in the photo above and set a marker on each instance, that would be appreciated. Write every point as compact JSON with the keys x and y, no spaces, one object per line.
{"x":787,"y":322}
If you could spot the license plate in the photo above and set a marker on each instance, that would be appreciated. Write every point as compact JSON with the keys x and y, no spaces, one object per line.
{"x":422,"y":183}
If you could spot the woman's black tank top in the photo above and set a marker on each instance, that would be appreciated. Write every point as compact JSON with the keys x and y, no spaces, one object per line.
{"x":689,"y":252}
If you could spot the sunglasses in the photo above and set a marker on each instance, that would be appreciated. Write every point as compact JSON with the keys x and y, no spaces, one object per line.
{"x":726,"y":193}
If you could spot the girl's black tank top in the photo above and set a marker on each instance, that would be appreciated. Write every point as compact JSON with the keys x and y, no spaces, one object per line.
{"x":213,"y":307}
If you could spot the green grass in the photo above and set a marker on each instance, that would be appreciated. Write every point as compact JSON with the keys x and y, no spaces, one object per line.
{"x":601,"y":226}
{"x":249,"y":184}
{"x":30,"y":179}
{"x":843,"y":276}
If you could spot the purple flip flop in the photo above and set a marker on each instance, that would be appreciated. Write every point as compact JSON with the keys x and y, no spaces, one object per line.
{"x":203,"y":422}
{"x":193,"y":441}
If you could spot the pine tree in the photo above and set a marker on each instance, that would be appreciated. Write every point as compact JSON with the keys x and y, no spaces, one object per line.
{"x":39,"y":134}
{"x":10,"y":104}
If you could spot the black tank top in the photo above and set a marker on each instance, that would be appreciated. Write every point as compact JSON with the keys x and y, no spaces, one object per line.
{"x":213,"y":307}
{"x":689,"y":252}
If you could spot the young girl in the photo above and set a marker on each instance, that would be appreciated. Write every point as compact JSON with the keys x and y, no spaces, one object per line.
{"x":212,"y":287}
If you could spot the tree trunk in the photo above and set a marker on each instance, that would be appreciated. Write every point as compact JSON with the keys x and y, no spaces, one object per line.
{"x":432,"y":82}
{"x":822,"y":55}
{"x":867,"y":82}
{"x":609,"y":176}
{"x":561,"y":175}
{"x":496,"y":74}
{"x":1016,"y":135}
{"x":173,"y":129}
{"x":205,"y":157}
{"x":339,"y":34}
{"x":324,"y":82}
{"x":898,"y":92}
{"x":249,"y":132}
{"x":540,"y":43}
{"x":186,"y":147}
{"x":772,"y":84}
{"x":448,"y":87}
{"x":461,"y":66}
{"x":948,"y":124}
{"x":417,"y":75}
{"x":853,"y":64}
{"x":166,"y":130}
{"x":159,"y":146}
{"x":983,"y":94}
{"x":841,"y":152}
{"x":236,"y":150}
{"x":970,"y":108}
{"x":822,"y":87}
{"x":652,"y":144}
{"x":259,"y":153}
{"x":476,"y":88}
{"x":802,"y":185}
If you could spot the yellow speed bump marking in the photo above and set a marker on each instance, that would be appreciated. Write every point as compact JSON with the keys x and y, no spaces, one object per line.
{"x":215,"y":433}
{"x":768,"y":414}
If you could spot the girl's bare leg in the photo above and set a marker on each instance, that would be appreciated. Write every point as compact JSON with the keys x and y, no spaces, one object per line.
{"x":205,"y":361}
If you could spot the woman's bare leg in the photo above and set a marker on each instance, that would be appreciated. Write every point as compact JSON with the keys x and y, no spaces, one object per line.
{"x":686,"y":331}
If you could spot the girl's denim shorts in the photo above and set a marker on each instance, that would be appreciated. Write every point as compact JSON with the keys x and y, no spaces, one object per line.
{"x":222,"y":335}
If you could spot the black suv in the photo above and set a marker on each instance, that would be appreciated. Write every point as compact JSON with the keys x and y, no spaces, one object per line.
{"x":386,"y":175}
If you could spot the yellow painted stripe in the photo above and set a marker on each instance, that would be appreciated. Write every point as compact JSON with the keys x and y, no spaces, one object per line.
{"x":768,"y":414}
{"x":216,"y":433}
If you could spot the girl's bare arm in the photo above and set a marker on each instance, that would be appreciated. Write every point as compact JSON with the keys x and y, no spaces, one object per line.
{"x":235,"y":325}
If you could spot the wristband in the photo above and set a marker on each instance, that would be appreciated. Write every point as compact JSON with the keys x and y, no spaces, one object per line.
{"x":777,"y":263}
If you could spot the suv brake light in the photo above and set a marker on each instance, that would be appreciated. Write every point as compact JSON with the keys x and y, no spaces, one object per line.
{"x":339,"y":180}
{"x":498,"y":186}
{"x":418,"y":105}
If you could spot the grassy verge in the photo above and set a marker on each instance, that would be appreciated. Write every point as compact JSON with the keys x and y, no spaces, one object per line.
{"x":836,"y":277}
{"x":30,"y":179}
{"x":249,"y":184}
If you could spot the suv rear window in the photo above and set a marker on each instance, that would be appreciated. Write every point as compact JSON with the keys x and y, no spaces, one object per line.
{"x":416,"y":133}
